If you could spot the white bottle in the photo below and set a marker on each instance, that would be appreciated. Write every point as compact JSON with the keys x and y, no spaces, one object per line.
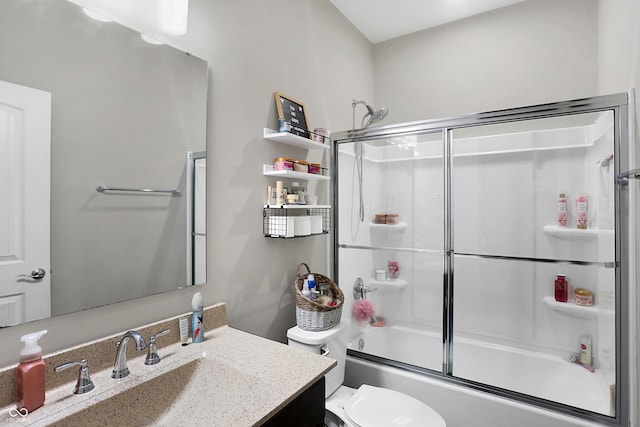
{"x":585,"y":350}
{"x":305,"y":289}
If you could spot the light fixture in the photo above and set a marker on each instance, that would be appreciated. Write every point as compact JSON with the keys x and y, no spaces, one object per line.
{"x":95,"y":15}
{"x":150,"y":39}
{"x":173,"y":16}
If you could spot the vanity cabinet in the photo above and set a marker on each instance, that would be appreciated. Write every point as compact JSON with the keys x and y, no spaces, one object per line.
{"x":295,"y":220}
{"x":307,"y":410}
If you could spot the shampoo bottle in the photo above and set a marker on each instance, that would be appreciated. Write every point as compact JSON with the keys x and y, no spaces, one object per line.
{"x":582,"y":209}
{"x":562,"y":210}
{"x":197,"y":325}
{"x":30,"y":374}
{"x":585,"y":350}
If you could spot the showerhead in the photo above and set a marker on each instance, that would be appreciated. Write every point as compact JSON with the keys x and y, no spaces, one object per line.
{"x":374,"y":115}
{"x":377,"y":115}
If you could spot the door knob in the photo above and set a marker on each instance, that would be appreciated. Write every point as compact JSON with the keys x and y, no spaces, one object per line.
{"x":36,"y":274}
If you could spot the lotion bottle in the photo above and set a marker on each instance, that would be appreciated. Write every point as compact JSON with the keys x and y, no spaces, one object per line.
{"x":585,"y":350}
{"x":197,"y":325}
{"x":30,"y":374}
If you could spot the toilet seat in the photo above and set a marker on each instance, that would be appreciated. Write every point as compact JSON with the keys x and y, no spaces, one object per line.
{"x":380,"y":407}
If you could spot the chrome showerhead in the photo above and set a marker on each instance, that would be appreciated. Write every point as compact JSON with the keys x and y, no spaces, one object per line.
{"x":377,"y":115}
{"x":373,"y":115}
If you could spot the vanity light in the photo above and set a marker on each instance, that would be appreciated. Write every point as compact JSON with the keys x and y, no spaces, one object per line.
{"x":95,"y":15}
{"x":150,"y":39}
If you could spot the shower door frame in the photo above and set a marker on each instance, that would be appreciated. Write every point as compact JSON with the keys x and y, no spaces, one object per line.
{"x":625,"y":358}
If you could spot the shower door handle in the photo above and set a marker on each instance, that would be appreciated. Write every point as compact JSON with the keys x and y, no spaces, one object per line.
{"x":624,"y":177}
{"x":36,"y":274}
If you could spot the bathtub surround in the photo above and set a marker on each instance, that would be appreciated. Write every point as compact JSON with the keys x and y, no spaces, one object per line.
{"x":478,"y":194}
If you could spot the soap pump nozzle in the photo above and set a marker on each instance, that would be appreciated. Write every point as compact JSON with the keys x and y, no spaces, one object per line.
{"x":31,"y":350}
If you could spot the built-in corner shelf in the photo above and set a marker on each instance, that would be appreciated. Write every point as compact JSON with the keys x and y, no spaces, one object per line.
{"x":569,"y":307}
{"x":268,"y":170}
{"x":401,"y":226}
{"x":391,"y":284}
{"x":293,"y":140}
{"x":574,"y":233}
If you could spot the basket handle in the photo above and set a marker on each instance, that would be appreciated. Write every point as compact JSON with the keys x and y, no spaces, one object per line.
{"x":299,"y":266}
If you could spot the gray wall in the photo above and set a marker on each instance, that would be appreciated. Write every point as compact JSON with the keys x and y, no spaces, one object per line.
{"x":528,"y":53}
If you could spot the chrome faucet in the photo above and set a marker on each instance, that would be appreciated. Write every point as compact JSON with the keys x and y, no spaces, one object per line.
{"x":120,"y":369}
{"x":360,"y":290}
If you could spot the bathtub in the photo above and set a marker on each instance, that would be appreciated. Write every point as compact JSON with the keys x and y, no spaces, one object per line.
{"x":546,"y":376}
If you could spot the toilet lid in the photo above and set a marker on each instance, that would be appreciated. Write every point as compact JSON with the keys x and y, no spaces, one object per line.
{"x":380,"y":407}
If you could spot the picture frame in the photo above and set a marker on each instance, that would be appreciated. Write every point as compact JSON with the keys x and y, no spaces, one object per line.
{"x":293,"y":112}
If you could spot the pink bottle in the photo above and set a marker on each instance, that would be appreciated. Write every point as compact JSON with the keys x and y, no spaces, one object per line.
{"x":30,"y":374}
{"x":562,"y":210}
{"x":582,"y":208}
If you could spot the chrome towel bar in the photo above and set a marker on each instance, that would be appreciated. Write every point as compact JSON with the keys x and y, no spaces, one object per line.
{"x":102,"y":189}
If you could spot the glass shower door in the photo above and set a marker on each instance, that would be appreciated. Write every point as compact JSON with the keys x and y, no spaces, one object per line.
{"x":517,"y":326}
{"x":390,"y":235}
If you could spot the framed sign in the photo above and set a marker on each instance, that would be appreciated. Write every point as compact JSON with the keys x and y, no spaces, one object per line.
{"x":292,"y":111}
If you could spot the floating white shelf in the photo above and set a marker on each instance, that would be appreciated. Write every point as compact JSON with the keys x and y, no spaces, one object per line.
{"x":294,"y":140}
{"x":391,"y":284}
{"x":572,"y":308}
{"x":574,"y":233}
{"x":268,"y":170}
{"x":297,"y":206}
{"x":399,"y":226}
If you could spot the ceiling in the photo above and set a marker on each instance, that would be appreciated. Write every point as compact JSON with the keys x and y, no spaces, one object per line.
{"x":381,"y":20}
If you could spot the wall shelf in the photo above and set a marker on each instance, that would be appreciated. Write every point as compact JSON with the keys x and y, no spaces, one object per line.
{"x":291,"y":221}
{"x":401,"y":226}
{"x":572,"y":308}
{"x":391,"y":284}
{"x":574,"y":233}
{"x":268,"y":170}
{"x":293,"y":140}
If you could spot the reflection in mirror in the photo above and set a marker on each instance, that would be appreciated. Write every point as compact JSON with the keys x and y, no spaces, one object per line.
{"x":123,"y":114}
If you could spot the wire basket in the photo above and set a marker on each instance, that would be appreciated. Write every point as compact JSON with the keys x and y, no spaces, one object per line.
{"x":311,"y":315}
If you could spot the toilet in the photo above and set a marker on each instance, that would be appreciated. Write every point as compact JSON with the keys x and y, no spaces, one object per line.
{"x":366,"y":406}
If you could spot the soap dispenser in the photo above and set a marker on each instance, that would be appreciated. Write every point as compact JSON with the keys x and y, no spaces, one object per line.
{"x":30,"y":374}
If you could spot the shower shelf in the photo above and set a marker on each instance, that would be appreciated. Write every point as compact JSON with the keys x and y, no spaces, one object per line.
{"x":268,"y":170}
{"x":392,"y":284}
{"x":572,"y":308}
{"x":293,"y":140}
{"x":573,"y":233}
{"x":401,"y":226}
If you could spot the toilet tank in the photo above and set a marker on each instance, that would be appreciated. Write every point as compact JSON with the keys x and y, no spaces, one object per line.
{"x":330,"y":343}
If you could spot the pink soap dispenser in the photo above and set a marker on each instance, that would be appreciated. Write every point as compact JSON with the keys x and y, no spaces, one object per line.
{"x":30,"y":374}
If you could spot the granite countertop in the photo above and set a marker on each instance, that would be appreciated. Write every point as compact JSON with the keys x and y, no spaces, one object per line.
{"x":233,"y":378}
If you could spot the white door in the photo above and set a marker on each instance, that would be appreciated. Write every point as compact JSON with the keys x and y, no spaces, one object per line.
{"x":25,"y":149}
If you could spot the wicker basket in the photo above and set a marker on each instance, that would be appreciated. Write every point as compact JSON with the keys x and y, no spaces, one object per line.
{"x":313,"y":316}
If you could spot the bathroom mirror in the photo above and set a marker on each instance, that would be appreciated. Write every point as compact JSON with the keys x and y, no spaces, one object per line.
{"x":125,"y":114}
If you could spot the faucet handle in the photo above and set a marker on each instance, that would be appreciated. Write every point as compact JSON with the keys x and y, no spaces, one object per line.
{"x":84,"y":383}
{"x":152,"y":355}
